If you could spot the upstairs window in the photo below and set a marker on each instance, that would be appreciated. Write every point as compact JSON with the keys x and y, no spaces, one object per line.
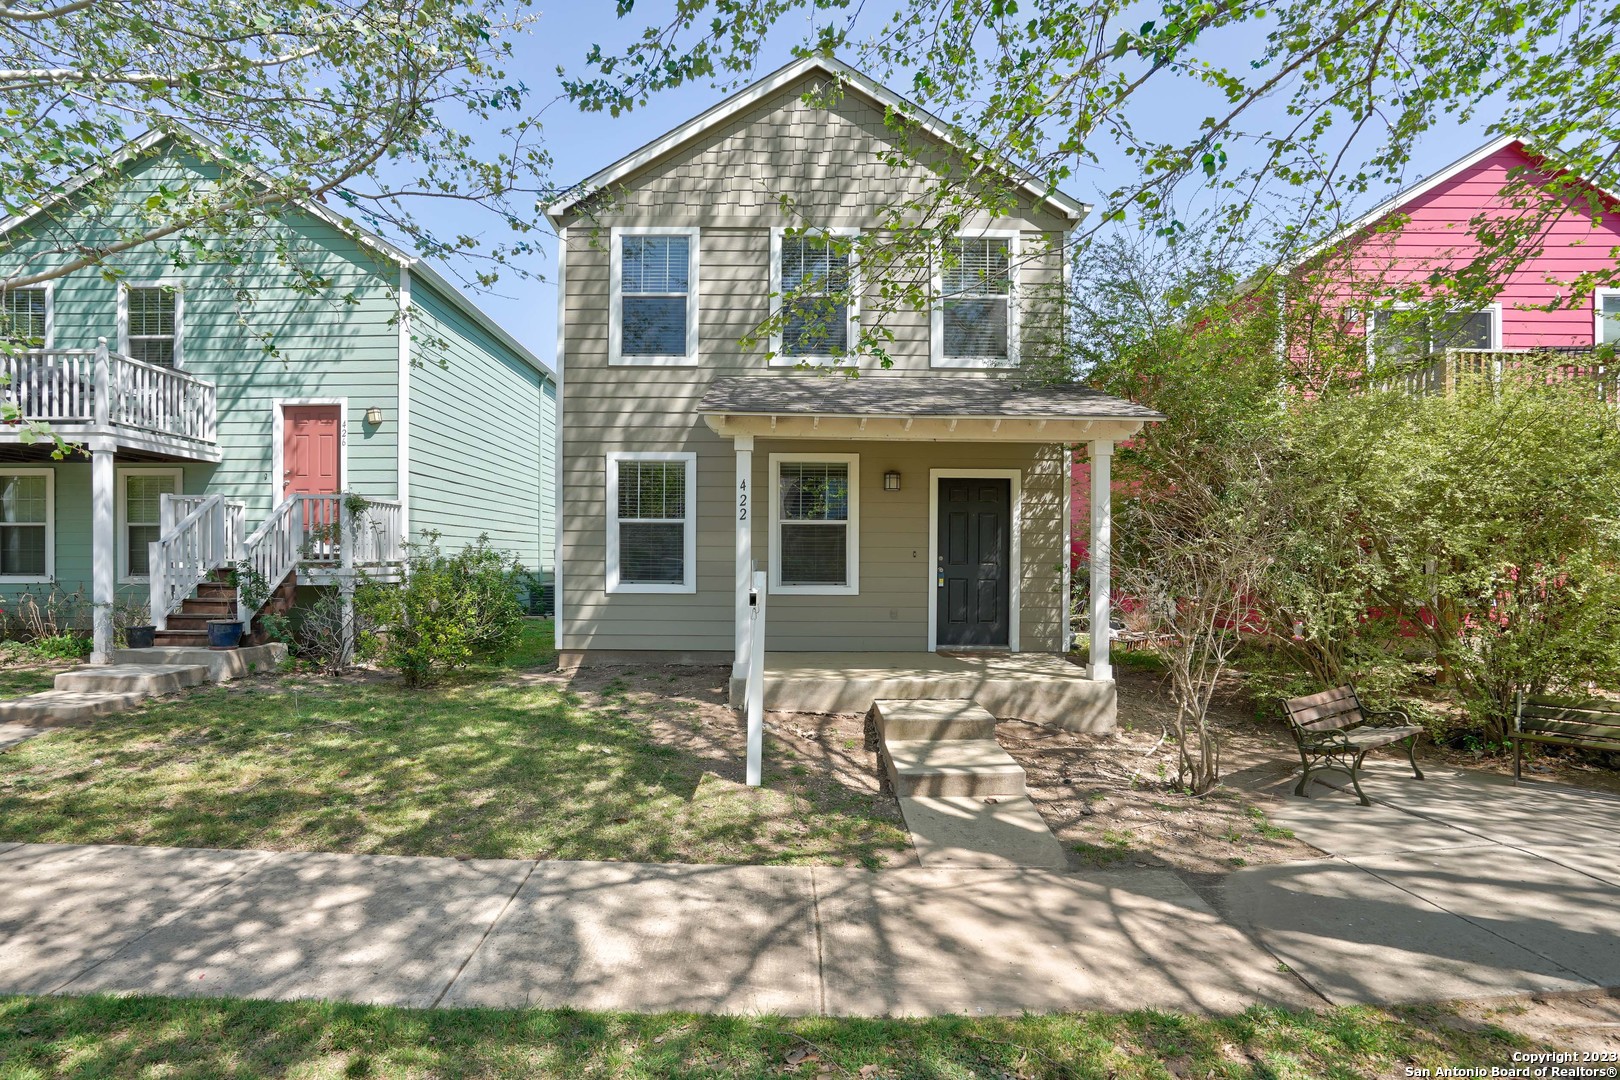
{"x":1399,"y":336}
{"x":652,"y":523}
{"x":811,"y":275}
{"x":976,"y":319}
{"x":654,"y":312}
{"x":25,"y":317}
{"x":150,"y":329}
{"x":1608,"y":317}
{"x":814,"y":538}
{"x":27,"y":528}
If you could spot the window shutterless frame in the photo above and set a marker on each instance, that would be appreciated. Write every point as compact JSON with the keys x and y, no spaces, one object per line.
{"x":688,"y":582}
{"x":851,"y":315}
{"x":616,"y":355}
{"x":1494,"y":310}
{"x":851,"y":585}
{"x":49,"y":525}
{"x":179,"y":315}
{"x":178,"y":475}
{"x":936,"y":335}
{"x":1611,"y":297}
{"x":46,"y":293}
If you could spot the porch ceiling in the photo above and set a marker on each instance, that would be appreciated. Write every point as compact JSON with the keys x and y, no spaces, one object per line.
{"x":922,"y":408}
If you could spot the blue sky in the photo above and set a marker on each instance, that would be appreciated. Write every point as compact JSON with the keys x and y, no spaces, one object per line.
{"x":582,"y":143}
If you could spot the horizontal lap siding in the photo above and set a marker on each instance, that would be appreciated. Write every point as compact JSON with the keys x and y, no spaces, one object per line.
{"x":340,"y":342}
{"x":482,"y":437}
{"x":728,"y":184}
{"x":1438,"y":236}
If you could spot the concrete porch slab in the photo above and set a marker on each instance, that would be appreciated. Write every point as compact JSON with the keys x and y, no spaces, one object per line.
{"x":968,"y":831}
{"x":925,"y":941}
{"x":1561,"y":914}
{"x":66,"y":908}
{"x":733,"y":939}
{"x":375,"y":929}
{"x":1358,"y":939}
{"x":149,"y":679}
{"x":223,"y":664}
{"x":1038,"y":687}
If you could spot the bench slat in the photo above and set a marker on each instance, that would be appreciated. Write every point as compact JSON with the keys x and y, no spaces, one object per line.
{"x":1583,"y":744}
{"x":1570,"y":727}
{"x":1337,"y":713}
{"x":1338,"y":693}
{"x":1551,"y":706}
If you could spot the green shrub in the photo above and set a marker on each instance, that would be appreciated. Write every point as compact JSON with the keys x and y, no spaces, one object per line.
{"x":450,"y":611}
{"x":62,"y":646}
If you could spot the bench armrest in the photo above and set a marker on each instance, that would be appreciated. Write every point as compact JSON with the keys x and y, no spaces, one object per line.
{"x":1387,"y":718}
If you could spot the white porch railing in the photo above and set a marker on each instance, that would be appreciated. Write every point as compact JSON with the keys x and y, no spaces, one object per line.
{"x":106,"y":391}
{"x":318,"y":530}
{"x":197,"y":537}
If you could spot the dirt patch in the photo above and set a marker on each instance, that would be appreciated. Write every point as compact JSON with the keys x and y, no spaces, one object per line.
{"x":1587,"y":1022}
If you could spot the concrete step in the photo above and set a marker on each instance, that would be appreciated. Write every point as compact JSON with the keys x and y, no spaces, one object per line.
{"x":222,"y":665}
{"x":146,"y":679}
{"x":976,"y":767}
{"x":967,"y":831}
{"x":912,"y":720}
{"x":61,"y":708}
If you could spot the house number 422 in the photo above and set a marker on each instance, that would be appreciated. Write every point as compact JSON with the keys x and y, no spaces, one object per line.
{"x":742,"y":500}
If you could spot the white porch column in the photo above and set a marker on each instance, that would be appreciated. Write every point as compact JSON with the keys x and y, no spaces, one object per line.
{"x":744,"y":502}
{"x":103,"y":553}
{"x":1102,"y":538}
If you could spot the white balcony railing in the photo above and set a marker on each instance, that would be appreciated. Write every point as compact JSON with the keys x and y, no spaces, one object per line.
{"x":101,"y":391}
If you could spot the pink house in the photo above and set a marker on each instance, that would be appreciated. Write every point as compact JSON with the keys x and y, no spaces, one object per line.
{"x":1433,"y":226}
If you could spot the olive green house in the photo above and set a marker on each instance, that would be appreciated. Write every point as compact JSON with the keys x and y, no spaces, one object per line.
{"x":900,"y":534}
{"x":221,"y":410}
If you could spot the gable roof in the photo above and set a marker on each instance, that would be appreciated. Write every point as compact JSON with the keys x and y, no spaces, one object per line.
{"x":1422,"y":188}
{"x":151,"y":140}
{"x":1067,"y":206}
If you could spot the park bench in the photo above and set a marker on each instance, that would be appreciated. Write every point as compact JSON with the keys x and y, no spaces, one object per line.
{"x":1593,"y":724}
{"x":1334,"y":731}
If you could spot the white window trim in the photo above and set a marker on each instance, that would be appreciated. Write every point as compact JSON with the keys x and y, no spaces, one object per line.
{"x":688,"y":582}
{"x":122,"y":521}
{"x":49,"y":289}
{"x":936,"y":321}
{"x":616,"y":355}
{"x":50,"y":529}
{"x":852,"y":550}
{"x":852,"y":314}
{"x":1598,"y":296}
{"x":1496,"y":326}
{"x":278,"y":432}
{"x":1016,"y":571}
{"x":179,"y":315}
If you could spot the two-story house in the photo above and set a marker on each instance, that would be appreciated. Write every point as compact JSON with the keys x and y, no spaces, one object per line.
{"x":220,"y":409}
{"x":911,"y":523}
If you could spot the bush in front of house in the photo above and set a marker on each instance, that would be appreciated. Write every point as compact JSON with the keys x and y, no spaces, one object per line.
{"x":452,"y":610}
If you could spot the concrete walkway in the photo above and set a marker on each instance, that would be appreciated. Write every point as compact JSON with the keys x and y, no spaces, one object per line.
{"x":1460,"y":885}
{"x":793,"y":940}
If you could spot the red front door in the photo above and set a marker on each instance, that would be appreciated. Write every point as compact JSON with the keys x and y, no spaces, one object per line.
{"x":311,"y":440}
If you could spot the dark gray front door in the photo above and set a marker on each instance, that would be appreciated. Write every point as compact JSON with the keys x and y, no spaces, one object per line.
{"x":973,"y":571}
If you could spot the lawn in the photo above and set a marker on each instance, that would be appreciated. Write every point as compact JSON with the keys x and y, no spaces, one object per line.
{"x":501,"y":762}
{"x":144,"y":1036}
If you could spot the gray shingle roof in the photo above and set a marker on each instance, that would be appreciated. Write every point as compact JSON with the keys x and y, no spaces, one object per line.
{"x":876,"y":395}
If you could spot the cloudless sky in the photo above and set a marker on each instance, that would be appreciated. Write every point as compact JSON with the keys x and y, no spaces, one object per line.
{"x":582,"y":143}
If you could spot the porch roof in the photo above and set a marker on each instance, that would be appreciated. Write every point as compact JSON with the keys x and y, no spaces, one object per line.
{"x":916,"y":407}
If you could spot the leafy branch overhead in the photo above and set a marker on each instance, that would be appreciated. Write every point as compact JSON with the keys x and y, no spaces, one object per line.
{"x":1268,"y":124}
{"x":361,"y":106}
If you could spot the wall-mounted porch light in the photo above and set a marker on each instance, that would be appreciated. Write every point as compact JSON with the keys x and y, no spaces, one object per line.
{"x":374,"y":416}
{"x":891,"y":480}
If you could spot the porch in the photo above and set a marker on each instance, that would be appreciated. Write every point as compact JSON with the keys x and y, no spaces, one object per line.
{"x":1039,"y":687}
{"x":111,"y":403}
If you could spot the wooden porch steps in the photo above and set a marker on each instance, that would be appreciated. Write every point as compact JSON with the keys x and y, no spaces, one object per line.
{"x":216,"y":599}
{"x":962,"y":796}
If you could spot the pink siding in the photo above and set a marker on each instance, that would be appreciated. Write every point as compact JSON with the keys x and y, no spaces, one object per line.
{"x":1438,"y":235}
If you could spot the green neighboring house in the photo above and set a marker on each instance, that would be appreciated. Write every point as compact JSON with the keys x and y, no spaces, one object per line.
{"x":203,"y":447}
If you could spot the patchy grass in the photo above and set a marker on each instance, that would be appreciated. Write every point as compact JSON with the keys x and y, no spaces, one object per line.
{"x":145,"y":1036}
{"x":23,"y":679}
{"x":495,"y":763}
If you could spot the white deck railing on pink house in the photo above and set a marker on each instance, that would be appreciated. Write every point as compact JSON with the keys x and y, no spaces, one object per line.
{"x":94,"y":391}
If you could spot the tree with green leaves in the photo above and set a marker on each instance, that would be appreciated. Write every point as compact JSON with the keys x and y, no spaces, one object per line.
{"x":1285,"y":115}
{"x":365,"y":107}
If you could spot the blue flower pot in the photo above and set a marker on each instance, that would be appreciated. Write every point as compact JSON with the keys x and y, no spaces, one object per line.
{"x":224,"y":634}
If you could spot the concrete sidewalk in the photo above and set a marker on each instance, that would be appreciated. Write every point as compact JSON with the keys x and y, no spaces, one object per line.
{"x":1460,"y":885}
{"x":793,"y":940}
